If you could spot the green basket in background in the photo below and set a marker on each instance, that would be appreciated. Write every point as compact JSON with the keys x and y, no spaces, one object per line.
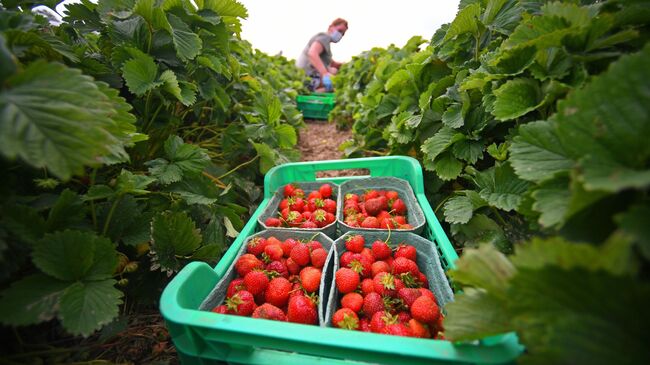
{"x":316,"y":105}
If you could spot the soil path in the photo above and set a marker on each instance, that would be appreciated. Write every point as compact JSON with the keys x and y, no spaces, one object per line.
{"x":320,"y":140}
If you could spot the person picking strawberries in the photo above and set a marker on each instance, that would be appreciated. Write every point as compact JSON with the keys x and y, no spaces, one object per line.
{"x":316,"y":58}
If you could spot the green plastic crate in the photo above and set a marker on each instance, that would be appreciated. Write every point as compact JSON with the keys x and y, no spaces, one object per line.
{"x":203,"y":337}
{"x":316,"y":105}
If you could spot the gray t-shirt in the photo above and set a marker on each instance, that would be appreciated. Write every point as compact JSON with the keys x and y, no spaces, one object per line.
{"x":325,"y":56}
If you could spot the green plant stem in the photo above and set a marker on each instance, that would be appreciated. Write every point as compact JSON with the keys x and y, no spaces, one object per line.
{"x":238,"y":167}
{"x":499,"y":217}
{"x":110,"y":215}
{"x":441,"y":203}
{"x":147,"y":107}
{"x":93,"y":213}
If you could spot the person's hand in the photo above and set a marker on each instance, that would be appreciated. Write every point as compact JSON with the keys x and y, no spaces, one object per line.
{"x":332,"y":70}
{"x":327,"y":82}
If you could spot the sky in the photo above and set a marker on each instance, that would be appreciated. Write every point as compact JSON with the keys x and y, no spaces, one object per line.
{"x":286,"y":25}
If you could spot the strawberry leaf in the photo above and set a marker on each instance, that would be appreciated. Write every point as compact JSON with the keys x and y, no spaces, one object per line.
{"x":31,"y":300}
{"x":86,"y":306}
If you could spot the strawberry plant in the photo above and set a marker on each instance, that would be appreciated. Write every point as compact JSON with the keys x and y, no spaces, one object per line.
{"x":531,"y":120}
{"x":133,"y":137}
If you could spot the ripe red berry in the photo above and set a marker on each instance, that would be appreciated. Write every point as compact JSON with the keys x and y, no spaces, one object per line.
{"x":301,"y":309}
{"x":370,"y":222}
{"x":398,"y":207}
{"x":235,"y":286}
{"x":269,"y":311}
{"x":372,"y":303}
{"x":318,"y":257}
{"x":300,"y":254}
{"x":406,"y":251}
{"x":256,"y":282}
{"x":346,"y":280}
{"x":273,"y":252}
{"x":346,"y":319}
{"x":325,"y":190}
{"x":277,"y":292}
{"x":255,"y":246}
{"x":310,"y":279}
{"x":381,"y":250}
{"x":241,"y":303}
{"x":355,"y":243}
{"x":289,"y":190}
{"x":273,"y":222}
{"x":247,"y":263}
{"x":352,"y":301}
{"x":425,"y":310}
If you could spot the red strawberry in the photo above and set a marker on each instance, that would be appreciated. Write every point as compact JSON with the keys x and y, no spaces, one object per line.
{"x":406,"y":251}
{"x":402,"y":265}
{"x":320,"y":218}
{"x":256,"y":282}
{"x":297,"y":204}
{"x":221,"y":309}
{"x":405,"y":226}
{"x":255,"y":246}
{"x":398,"y":207}
{"x":330,"y":206}
{"x":376,"y":205}
{"x":372,"y":303}
{"x":325,"y":190}
{"x":398,"y":329}
{"x":314,"y":204}
{"x":329,"y":218}
{"x":353,"y":301}
{"x":428,"y":293}
{"x":367,"y":253}
{"x":425,"y":310}
{"x":346,"y":280}
{"x":379,"y":266}
{"x":318,"y":257}
{"x":277,"y":293}
{"x":352,"y":220}
{"x":345,"y":318}
{"x":287,"y":246}
{"x":289,"y":190}
{"x":314,"y":195}
{"x":370,"y":194}
{"x":419,"y":329}
{"x":292,"y":266}
{"x":273,"y":252}
{"x":279,"y":267}
{"x":355,"y":243}
{"x":310,"y":279}
{"x":269,"y":311}
{"x":381,"y":250}
{"x":296,"y":289}
{"x":350,"y":210}
{"x":403,"y":317}
{"x":314,"y":245}
{"x":241,"y":303}
{"x":367,"y":286}
{"x":247,"y":263}
{"x":307,"y":215}
{"x":364,"y":325}
{"x":383,"y":215}
{"x":298,"y":193}
{"x":350,"y":196}
{"x":380,"y":320}
{"x":422,"y":279}
{"x":388,"y":223}
{"x":361,"y":265}
{"x":284,"y":204}
{"x":285,"y":213}
{"x":302,"y":310}
{"x":235,"y":286}
{"x":295,"y":218}
{"x":400,"y":219}
{"x":273,"y":222}
{"x":308,"y":224}
{"x":392,"y":195}
{"x":384,"y":284}
{"x":346,"y":258}
{"x":370,"y":222}
{"x":408,"y":295}
{"x":300,"y":254}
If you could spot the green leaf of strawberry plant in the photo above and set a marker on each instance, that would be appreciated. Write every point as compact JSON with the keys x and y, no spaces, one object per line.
{"x":55,"y":117}
{"x":86,"y":306}
{"x":31,"y":300}
{"x":182,"y":159}
{"x":174,"y":235}
{"x":500,"y":187}
{"x":75,"y":255}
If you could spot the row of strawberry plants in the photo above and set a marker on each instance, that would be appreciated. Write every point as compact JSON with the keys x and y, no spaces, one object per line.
{"x":531,"y":118}
{"x":133,"y":138}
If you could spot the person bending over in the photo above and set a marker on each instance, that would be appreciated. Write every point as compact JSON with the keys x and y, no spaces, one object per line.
{"x":316,"y":58}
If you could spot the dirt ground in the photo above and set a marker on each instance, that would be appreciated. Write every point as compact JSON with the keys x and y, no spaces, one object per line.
{"x":319,"y":141}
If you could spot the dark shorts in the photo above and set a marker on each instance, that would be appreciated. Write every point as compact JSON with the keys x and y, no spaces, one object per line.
{"x":314,"y":82}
